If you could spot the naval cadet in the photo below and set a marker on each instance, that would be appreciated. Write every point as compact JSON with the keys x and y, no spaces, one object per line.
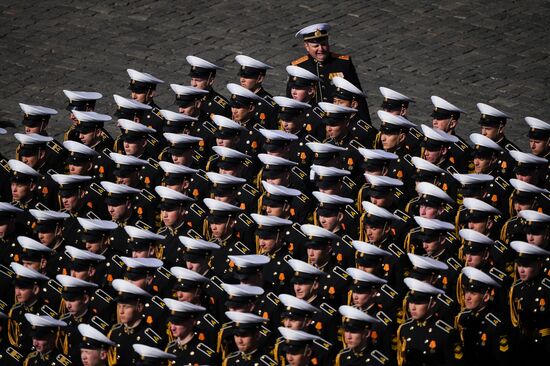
{"x":445,"y":118}
{"x":94,"y":345}
{"x":202,"y":75}
{"x":348,"y":95}
{"x":44,"y":331}
{"x":246,"y":335}
{"x":76,"y":296}
{"x":252,"y":74}
{"x":131,"y":110}
{"x":142,"y":87}
{"x":528,"y":298}
{"x":322,"y":62}
{"x":492,"y":123}
{"x":436,"y":148}
{"x":296,"y":347}
{"x":302,"y":86}
{"x":357,"y":328}
{"x":485,"y":334}
{"x":539,"y":137}
{"x":488,"y":157}
{"x":131,"y":327}
{"x":530,"y":168}
{"x":426,"y":339}
{"x":291,"y":117}
{"x":233,"y":190}
{"x":36,"y":119}
{"x":79,"y":101}
{"x":187,"y":345}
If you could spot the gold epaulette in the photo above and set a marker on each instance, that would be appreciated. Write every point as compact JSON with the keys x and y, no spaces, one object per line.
{"x":300,"y":60}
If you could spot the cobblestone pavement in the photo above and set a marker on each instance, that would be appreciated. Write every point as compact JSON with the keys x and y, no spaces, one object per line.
{"x":466,"y":51}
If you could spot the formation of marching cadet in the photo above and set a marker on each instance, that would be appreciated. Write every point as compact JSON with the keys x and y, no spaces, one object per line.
{"x":266,"y":230}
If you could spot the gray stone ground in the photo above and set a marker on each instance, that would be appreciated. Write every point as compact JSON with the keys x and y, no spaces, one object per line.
{"x":466,"y":51}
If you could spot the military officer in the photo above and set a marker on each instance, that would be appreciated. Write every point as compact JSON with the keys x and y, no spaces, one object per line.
{"x":186,"y":344}
{"x":425,"y":338}
{"x":357,"y":326}
{"x":44,"y":333}
{"x":323,"y":63}
{"x":94,"y":345}
{"x":79,"y":101}
{"x":202,"y":75}
{"x":36,"y":119}
{"x":528,"y":298}
{"x":246,"y":335}
{"x":445,"y":118}
{"x":143,"y":86}
{"x":76,"y":296}
{"x":252,"y":74}
{"x":132,"y":327}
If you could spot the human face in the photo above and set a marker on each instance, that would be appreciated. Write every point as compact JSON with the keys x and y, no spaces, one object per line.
{"x":79,"y":169}
{"x":183,"y":329}
{"x":527,"y":272}
{"x":318,"y":257}
{"x":95,"y":247}
{"x":128,"y":313}
{"x":473,"y":259}
{"x":42,"y":345}
{"x":274,"y":211}
{"x":390,"y":142}
{"x":196,"y":266}
{"x":251,"y":84}
{"x":76,"y":307}
{"x":92,"y":357}
{"x":304,"y":291}
{"x":31,"y":161}
{"x":24,"y":295}
{"x":219,"y":230}
{"x":4,"y":229}
{"x":435,"y":156}
{"x":428,"y":212}
{"x":297,"y":359}
{"x":362,"y":300}
{"x":34,"y":129}
{"x":46,"y":238}
{"x":241,"y":114}
{"x":245,"y":343}
{"x":267,"y":245}
{"x":224,"y":142}
{"x":235,"y":172}
{"x":518,"y":207}
{"x":170,"y":218}
{"x":190,"y":110}
{"x":482,"y":165}
{"x":134,"y":148}
{"x":418,"y":311}
{"x":88,"y":139}
{"x":540,"y":240}
{"x":337,"y":131}
{"x":354,"y":340}
{"x":473,"y":300}
{"x":140,"y":97}
{"x":302,"y":94}
{"x":329,"y":223}
{"x":442,"y":124}
{"x":118,"y":212}
{"x":491,"y":132}
{"x":539,"y":147}
{"x":289,"y":126}
{"x":81,"y":275}
{"x":319,"y":51}
{"x":187,"y":296}
{"x":70,"y":203}
{"x":433,"y":247}
{"x":382,"y":201}
{"x":296,"y":324}
{"x":479,"y":226}
{"x":375,"y":234}
{"x":342,"y":102}
{"x":200,"y":83}
{"x":183,"y":158}
{"x":20,"y":191}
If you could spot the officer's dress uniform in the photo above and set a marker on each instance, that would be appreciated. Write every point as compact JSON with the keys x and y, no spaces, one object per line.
{"x":193,"y":352}
{"x":125,"y":337}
